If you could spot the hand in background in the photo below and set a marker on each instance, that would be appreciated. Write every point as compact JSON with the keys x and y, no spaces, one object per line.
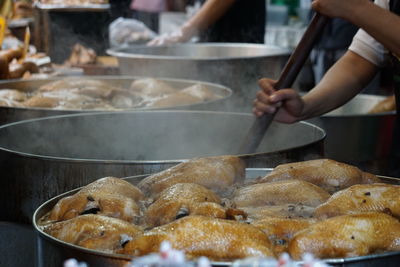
{"x":182,"y":35}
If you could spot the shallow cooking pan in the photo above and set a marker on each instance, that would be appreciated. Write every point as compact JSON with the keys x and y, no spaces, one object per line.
{"x":42,"y":158}
{"x":13,"y":114}
{"x":52,"y":252}
{"x":358,"y":137}
{"x":236,"y":65}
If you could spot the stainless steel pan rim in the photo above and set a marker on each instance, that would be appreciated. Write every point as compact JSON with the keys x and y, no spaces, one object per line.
{"x":135,"y":179}
{"x":187,"y":82}
{"x":29,"y":155}
{"x":123,"y":52}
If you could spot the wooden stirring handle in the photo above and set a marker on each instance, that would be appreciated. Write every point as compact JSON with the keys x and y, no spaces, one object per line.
{"x":286,"y":79}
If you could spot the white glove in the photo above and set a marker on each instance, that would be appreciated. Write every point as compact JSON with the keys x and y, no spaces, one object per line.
{"x":182,"y":35}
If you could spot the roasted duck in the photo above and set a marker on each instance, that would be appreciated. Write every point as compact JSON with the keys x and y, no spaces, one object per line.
{"x":362,"y":198}
{"x":386,"y":105}
{"x":108,"y":196}
{"x":348,"y":236}
{"x":289,"y":211}
{"x":181,"y":200}
{"x":216,"y":239}
{"x":281,"y":230}
{"x":326,"y":173}
{"x":94,"y":232}
{"x":215,"y":173}
{"x":278,"y":193}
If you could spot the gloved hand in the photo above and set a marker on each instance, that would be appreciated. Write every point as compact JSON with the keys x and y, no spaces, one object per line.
{"x":182,"y":35}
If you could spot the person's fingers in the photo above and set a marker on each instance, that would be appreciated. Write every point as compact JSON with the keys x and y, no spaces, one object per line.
{"x":257,"y":112}
{"x":267,"y":85}
{"x":265,"y":108}
{"x":155,"y":42}
{"x":283,"y":95}
{"x":266,"y":99}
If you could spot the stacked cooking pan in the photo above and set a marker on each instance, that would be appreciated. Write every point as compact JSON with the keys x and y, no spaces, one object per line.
{"x":44,"y":157}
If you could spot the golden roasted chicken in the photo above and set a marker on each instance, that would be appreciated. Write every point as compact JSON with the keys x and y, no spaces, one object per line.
{"x":203,"y":207}
{"x":362,"y":198}
{"x":279,"y":193}
{"x":215,"y":173}
{"x":281,"y":230}
{"x":348,"y":236}
{"x":108,"y":196}
{"x":73,"y":93}
{"x":216,"y":239}
{"x":94,"y":232}
{"x":289,"y":211}
{"x":326,"y":173}
{"x":181,"y":200}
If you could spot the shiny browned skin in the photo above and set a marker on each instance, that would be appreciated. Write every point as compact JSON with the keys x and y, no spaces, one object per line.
{"x":386,"y":105}
{"x":152,"y":87}
{"x":278,"y":193}
{"x":281,"y":230}
{"x":109,"y":196}
{"x":181,"y":200}
{"x":326,"y":173}
{"x":40,"y":101}
{"x":92,"y":88}
{"x":348,"y":236}
{"x":215,"y":173}
{"x":216,"y":239}
{"x":289,"y":211}
{"x":94,"y":232}
{"x":361,"y":198}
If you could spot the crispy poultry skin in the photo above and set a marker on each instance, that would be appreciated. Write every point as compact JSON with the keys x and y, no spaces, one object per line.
{"x":109,"y":196}
{"x":91,"y":88}
{"x":281,"y":230}
{"x":215,"y":173}
{"x":361,"y":198}
{"x":151,"y":87}
{"x":326,"y":173}
{"x":181,"y":200}
{"x":12,"y":94}
{"x":217,"y":239}
{"x":386,"y":105}
{"x":348,"y":236}
{"x":278,"y":193}
{"x":289,"y":211}
{"x":174,"y":99}
{"x":94,"y":232}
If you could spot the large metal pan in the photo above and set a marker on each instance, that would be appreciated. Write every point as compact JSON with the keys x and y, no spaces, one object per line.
{"x":53,"y":252}
{"x":42,"y":158}
{"x":359,"y":138}
{"x":236,"y":65}
{"x":13,"y":114}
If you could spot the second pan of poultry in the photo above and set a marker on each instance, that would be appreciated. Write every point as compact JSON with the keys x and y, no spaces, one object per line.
{"x":206,"y":207}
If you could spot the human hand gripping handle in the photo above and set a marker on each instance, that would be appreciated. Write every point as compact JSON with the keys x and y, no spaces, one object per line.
{"x":286,"y":79}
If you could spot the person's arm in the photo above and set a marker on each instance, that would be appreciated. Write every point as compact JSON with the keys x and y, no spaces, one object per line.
{"x":208,"y":14}
{"x":343,"y":81}
{"x":380,"y":23}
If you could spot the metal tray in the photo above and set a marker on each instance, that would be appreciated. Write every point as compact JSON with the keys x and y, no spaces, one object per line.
{"x":83,"y":7}
{"x":53,"y":252}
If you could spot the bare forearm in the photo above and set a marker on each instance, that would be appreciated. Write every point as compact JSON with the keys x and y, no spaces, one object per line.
{"x":379,"y":22}
{"x":382,"y":24}
{"x":209,"y":13}
{"x":342,"y":82}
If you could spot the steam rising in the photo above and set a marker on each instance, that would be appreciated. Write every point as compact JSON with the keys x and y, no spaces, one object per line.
{"x":236,"y":66}
{"x":147,"y":136}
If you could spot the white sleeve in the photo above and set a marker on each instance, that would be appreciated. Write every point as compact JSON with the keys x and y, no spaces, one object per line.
{"x":366,"y":46}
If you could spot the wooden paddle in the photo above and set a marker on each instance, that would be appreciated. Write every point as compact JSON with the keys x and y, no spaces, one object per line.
{"x":286,"y":79}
